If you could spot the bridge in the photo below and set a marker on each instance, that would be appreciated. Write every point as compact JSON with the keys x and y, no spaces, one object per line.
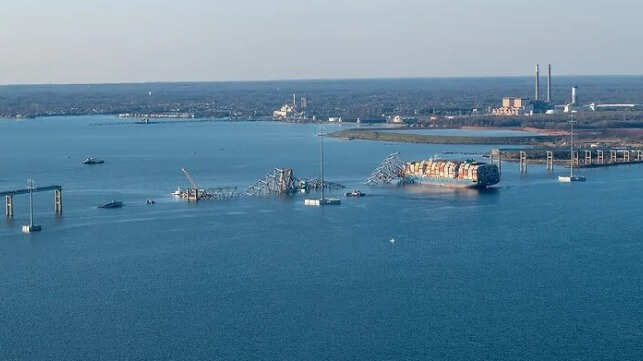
{"x":281,"y":181}
{"x":58,"y":197}
{"x":591,"y":157}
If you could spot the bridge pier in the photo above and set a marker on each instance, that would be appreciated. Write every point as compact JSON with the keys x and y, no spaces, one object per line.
{"x":523,"y":161}
{"x":550,"y":160}
{"x":613,"y":156}
{"x":601,"y":156}
{"x":588,"y":157}
{"x":639,"y":155}
{"x":58,"y":197}
{"x":9,"y":206}
{"x":626,"y":156}
{"x":576,"y":158}
{"x":496,"y":154}
{"x":58,"y":201}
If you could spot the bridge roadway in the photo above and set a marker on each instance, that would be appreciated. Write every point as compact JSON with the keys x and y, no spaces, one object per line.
{"x":58,"y":197}
{"x":26,"y":190}
{"x":592,"y":157}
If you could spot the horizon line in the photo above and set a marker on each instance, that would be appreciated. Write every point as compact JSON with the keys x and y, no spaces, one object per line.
{"x":322,"y":79}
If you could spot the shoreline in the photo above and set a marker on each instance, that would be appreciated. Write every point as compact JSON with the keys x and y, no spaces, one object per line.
{"x":374,"y":134}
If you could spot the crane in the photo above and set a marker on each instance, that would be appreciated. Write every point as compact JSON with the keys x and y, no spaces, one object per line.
{"x":190,"y":179}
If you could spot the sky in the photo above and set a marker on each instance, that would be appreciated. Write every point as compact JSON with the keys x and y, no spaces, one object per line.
{"x":112,"y":41}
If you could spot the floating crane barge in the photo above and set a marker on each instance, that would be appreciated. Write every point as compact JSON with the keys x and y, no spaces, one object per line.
{"x":196,"y":193}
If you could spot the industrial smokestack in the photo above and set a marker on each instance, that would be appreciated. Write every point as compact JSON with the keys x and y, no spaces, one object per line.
{"x":548,"y":83}
{"x":574,"y":95}
{"x":537,"y":81}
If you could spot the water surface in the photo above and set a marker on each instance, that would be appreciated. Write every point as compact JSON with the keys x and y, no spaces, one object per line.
{"x":531,"y":270}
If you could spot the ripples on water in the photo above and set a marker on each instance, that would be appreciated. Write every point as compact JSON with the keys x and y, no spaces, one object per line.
{"x":532,"y":270}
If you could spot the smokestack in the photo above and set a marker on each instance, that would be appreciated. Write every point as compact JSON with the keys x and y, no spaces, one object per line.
{"x":537,"y":81}
{"x":574,"y":95}
{"x":549,"y":83}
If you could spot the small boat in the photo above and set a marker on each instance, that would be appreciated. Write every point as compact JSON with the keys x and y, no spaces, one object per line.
{"x":355,"y":193}
{"x":575,"y":178}
{"x":571,"y":177}
{"x":112,"y":204}
{"x":177,"y":193}
{"x":91,"y":160}
{"x":150,"y":201}
{"x":322,"y":201}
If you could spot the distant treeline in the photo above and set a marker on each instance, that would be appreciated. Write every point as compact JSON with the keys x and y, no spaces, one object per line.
{"x":349,"y":99}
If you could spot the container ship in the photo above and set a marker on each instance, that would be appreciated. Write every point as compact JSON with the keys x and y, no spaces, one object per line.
{"x":461,"y":174}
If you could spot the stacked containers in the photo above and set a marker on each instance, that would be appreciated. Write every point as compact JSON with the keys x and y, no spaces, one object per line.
{"x":467,"y":172}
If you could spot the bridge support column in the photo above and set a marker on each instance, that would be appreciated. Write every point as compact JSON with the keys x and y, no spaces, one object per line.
{"x":601,"y":156}
{"x":576,"y":158}
{"x":613,"y":156}
{"x":523,"y":161}
{"x":496,"y":154}
{"x":639,"y":155}
{"x":9,"y":206}
{"x":626,"y":156}
{"x":588,"y":157}
{"x":550,"y":160}
{"x":58,"y":201}
{"x":499,"y":162}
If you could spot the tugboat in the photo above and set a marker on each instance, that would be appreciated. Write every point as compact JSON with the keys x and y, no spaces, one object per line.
{"x":92,"y":160}
{"x":355,"y":193}
{"x":112,"y":204}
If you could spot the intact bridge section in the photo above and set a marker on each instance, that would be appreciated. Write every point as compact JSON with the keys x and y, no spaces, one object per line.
{"x":8,"y":195}
{"x":582,"y":157}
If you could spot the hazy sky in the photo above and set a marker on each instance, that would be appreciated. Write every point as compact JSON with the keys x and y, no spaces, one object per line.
{"x":89,"y":41}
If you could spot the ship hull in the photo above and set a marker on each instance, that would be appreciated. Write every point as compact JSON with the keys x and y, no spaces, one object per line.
{"x":449,"y":183}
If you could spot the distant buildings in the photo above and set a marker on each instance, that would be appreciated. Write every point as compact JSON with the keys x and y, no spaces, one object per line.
{"x":514,"y":106}
{"x":402,"y":120}
{"x":292,"y":111}
{"x":285,"y":112}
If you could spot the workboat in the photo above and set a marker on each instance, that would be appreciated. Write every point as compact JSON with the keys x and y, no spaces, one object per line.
{"x":571,"y":177}
{"x":575,"y":178}
{"x":112,"y":204}
{"x":355,"y":193}
{"x":177,"y":193}
{"x":321,"y":201}
{"x":91,"y":160}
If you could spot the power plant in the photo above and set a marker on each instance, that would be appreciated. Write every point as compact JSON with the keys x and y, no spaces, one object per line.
{"x":514,"y":106}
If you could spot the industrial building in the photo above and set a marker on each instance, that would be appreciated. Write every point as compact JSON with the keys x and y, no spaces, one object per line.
{"x":614,"y":107}
{"x":290,"y":111}
{"x":513,"y":106}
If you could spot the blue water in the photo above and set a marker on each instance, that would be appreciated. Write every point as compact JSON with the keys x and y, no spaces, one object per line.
{"x":468,"y":132}
{"x":533,"y":270}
